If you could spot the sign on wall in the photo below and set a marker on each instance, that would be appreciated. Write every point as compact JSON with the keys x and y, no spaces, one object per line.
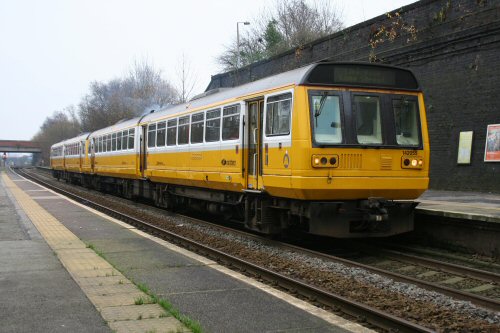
{"x":464,"y":147}
{"x":492,"y":148}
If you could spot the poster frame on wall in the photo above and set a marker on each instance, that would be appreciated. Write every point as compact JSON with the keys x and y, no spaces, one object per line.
{"x":492,"y":146}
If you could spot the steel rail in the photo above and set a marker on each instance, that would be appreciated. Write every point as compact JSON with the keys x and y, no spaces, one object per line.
{"x":486,"y":302}
{"x":373,"y":316}
{"x":470,"y":272}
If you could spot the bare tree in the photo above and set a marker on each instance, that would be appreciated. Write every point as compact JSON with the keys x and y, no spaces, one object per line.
{"x":149,"y":86}
{"x":186,"y":79}
{"x":60,"y":126}
{"x":289,"y":24}
{"x":143,"y":88}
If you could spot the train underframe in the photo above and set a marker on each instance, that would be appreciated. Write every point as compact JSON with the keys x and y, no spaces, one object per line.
{"x":370,"y":217}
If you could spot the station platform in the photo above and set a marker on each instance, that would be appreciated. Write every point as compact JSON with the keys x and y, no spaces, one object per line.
{"x":473,"y":206}
{"x":65,"y":267}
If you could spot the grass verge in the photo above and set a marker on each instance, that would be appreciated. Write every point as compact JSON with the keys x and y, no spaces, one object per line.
{"x":193,"y":325}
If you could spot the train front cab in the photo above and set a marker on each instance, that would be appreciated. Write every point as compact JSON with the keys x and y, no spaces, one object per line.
{"x":355,"y":159}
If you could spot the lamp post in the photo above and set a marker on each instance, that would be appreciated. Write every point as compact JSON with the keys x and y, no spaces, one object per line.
{"x":238,"y":41}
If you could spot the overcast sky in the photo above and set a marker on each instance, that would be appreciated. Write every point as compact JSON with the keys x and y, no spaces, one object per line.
{"x":51,"y":50}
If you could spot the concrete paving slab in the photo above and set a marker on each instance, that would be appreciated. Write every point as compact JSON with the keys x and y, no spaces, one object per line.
{"x":56,"y":234}
{"x":186,"y":280}
{"x":153,"y":259}
{"x":110,"y":289}
{"x":132,"y":312}
{"x":101,"y":280}
{"x":37,"y":293}
{"x":102,"y":301}
{"x":247,"y":310}
{"x":219,"y":301}
{"x":159,"y":325}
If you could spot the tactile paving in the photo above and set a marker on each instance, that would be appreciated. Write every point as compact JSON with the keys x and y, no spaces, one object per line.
{"x":121,"y":303}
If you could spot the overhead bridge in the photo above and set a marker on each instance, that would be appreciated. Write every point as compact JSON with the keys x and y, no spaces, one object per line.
{"x":12,"y":146}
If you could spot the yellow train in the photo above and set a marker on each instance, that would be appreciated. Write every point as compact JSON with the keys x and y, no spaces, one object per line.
{"x":335,"y":149}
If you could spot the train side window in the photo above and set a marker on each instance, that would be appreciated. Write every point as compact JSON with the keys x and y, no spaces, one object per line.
{"x":171,"y":132}
{"x":406,"y":121}
{"x":368,"y":121}
{"x":113,"y":142}
{"x":100,"y":145}
{"x":124,"y":139}
{"x":183,"y":132}
{"x":108,"y":142}
{"x":197,"y":124}
{"x":131,"y":134}
{"x":151,"y":135}
{"x":160,"y":134}
{"x":231,"y":123}
{"x":278,"y":114}
{"x":119,"y":141}
{"x":212,"y":131}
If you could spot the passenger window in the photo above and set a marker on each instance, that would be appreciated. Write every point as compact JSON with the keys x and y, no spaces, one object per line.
{"x":171,"y":132}
{"x":231,"y":123}
{"x":113,"y":142}
{"x":152,"y":135}
{"x":131,"y":134}
{"x":183,"y":133}
{"x":368,"y":122}
{"x":406,"y":121}
{"x":326,"y":118}
{"x":108,"y":142}
{"x":124,"y":140}
{"x":197,"y":124}
{"x":212,"y":132}
{"x":119,"y":141}
{"x":160,"y":134}
{"x":278,"y":114}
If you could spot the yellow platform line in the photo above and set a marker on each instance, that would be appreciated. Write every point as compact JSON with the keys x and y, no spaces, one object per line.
{"x":113,"y":295}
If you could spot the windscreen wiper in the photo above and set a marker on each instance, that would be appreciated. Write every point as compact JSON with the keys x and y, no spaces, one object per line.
{"x":322,"y":101}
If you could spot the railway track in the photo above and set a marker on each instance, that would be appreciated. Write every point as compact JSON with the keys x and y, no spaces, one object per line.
{"x":478,"y":286}
{"x":323,"y":297}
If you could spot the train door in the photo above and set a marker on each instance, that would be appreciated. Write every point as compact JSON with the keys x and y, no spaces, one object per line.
{"x":142,"y":147}
{"x":82,"y":154}
{"x":92,"y":155}
{"x":254,"y":151}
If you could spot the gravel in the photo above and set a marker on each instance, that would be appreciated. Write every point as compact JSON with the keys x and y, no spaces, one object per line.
{"x":428,"y":308}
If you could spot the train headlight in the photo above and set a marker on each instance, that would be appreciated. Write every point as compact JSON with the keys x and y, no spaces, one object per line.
{"x":413,"y":162}
{"x":325,"y":161}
